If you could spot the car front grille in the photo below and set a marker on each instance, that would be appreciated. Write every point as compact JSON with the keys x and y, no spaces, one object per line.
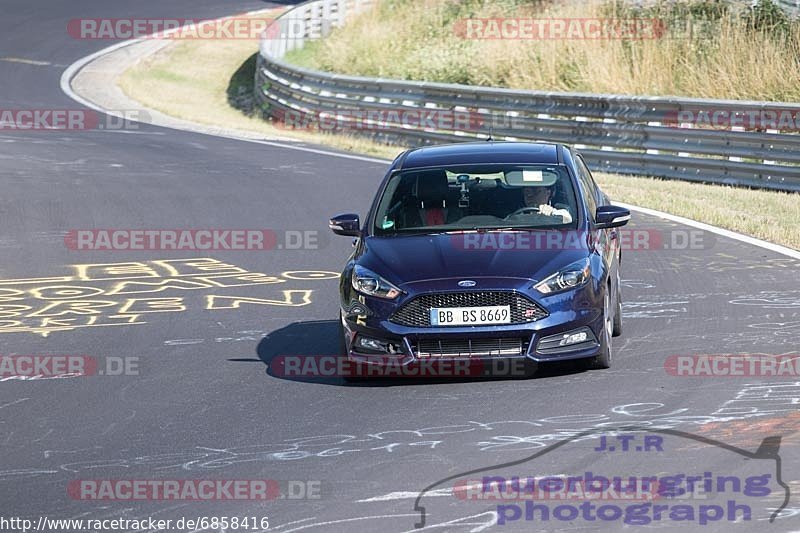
{"x":417,"y":312}
{"x":499,"y":347}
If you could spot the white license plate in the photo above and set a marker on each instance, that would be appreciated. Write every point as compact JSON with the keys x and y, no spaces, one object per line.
{"x":470,"y":316}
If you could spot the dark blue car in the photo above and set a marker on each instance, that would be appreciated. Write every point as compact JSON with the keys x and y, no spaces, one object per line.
{"x":482,"y":251}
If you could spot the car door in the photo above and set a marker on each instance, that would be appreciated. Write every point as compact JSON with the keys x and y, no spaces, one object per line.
{"x":607,"y":240}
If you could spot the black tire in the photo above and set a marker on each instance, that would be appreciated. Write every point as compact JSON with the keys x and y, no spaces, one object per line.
{"x":343,"y":353}
{"x":617,"y":329}
{"x":603,"y":359}
{"x":342,"y":344}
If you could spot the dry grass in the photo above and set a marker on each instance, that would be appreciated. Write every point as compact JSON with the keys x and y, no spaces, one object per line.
{"x":416,"y":39}
{"x":768,"y":215}
{"x":191,"y":80}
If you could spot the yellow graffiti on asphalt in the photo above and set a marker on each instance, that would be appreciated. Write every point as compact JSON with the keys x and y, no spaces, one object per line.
{"x":122,"y":294}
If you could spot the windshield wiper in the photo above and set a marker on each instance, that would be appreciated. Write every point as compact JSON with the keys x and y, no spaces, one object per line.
{"x":497,"y":230}
{"x":474,"y":229}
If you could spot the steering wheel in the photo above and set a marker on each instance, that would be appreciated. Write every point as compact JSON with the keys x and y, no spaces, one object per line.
{"x":524,"y":211}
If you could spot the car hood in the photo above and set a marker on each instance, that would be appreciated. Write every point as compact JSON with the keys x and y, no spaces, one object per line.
{"x":408,"y":259}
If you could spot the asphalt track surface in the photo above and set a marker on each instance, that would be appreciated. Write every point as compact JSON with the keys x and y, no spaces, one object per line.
{"x":204,"y":405}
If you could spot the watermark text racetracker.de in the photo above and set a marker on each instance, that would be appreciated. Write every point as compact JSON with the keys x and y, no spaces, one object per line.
{"x":250,"y":28}
{"x":337,"y":366}
{"x":193,"y":489}
{"x":56,"y":120}
{"x":192,"y":239}
{"x":629,"y":239}
{"x":197,"y":490}
{"x":734,"y":365}
{"x":52,"y":366}
{"x":541,"y":29}
{"x":378,"y":120}
{"x":732,"y":118}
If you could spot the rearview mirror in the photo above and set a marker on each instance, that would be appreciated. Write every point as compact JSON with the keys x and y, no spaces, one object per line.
{"x":611,"y":216}
{"x":348,"y":225}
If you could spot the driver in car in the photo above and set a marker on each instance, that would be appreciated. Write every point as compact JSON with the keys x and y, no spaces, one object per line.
{"x":539,"y":197}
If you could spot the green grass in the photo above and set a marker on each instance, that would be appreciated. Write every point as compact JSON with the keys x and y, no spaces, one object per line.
{"x":168,"y":76}
{"x":306,"y":56}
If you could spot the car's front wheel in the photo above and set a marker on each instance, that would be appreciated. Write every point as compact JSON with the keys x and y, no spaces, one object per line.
{"x":343,"y":353}
{"x":617,"y":330}
{"x":603,"y":359}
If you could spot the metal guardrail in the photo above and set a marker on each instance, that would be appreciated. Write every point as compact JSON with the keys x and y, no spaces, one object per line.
{"x":790,"y":6}
{"x":625,"y":134}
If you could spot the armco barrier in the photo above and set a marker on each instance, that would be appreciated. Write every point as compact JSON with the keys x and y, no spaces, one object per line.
{"x":790,"y":6}
{"x":626,"y":134}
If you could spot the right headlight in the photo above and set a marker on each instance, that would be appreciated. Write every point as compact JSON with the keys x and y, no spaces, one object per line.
{"x":571,"y":276}
{"x":368,"y":282}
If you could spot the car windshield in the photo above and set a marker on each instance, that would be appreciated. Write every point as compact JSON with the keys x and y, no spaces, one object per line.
{"x":477,"y":197}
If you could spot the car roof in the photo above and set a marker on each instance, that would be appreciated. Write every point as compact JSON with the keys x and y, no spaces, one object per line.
{"x":483,"y":152}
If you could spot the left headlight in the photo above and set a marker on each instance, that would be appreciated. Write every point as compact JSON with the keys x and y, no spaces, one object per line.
{"x":368,"y":282}
{"x":571,"y":276}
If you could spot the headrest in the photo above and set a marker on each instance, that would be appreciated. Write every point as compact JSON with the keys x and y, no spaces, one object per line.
{"x":432,"y":188}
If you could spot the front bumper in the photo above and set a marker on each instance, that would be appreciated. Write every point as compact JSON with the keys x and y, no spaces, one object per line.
{"x":568,"y":311}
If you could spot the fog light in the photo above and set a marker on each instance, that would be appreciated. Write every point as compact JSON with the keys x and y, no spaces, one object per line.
{"x":370,"y":345}
{"x":573,"y":338}
{"x":356,"y":309}
{"x":576,"y":339}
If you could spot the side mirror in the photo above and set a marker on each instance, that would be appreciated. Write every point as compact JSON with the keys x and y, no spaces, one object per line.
{"x":611,"y":216}
{"x":348,"y":225}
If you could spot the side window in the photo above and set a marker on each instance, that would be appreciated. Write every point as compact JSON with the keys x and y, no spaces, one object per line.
{"x":597,"y":192}
{"x":588,"y":185}
{"x":601,"y":197}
